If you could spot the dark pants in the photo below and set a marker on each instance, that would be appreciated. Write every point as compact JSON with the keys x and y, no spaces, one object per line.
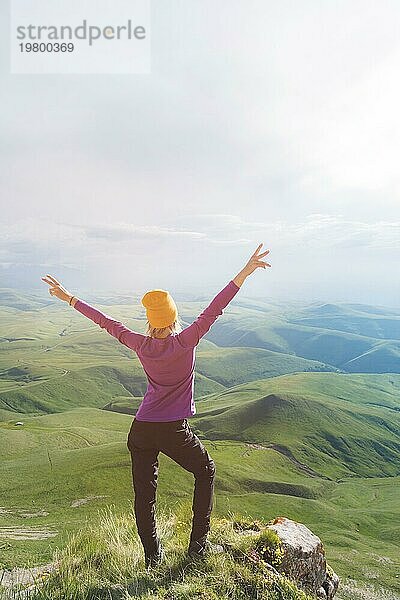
{"x":177,"y":440}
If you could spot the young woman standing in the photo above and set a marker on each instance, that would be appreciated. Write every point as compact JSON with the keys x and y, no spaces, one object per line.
{"x":167,"y":354}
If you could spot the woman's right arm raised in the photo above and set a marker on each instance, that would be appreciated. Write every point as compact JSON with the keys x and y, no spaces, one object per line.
{"x":191,"y":335}
{"x":123,"y":334}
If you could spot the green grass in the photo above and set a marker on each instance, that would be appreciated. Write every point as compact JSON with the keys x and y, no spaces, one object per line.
{"x":91,"y":386}
{"x":355,"y":342}
{"x":369,"y":321}
{"x":255,"y":364}
{"x":56,"y":459}
{"x":329,"y":442}
{"x":105,"y":560}
{"x":339,"y":425}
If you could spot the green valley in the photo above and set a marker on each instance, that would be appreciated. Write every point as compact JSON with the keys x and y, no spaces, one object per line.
{"x":299,"y":407}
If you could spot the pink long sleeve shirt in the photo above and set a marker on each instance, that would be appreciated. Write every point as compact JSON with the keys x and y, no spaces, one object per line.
{"x":169,"y":362}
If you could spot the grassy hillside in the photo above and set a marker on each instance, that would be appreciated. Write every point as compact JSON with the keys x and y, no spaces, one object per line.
{"x":61,"y":389}
{"x":255,"y":363}
{"x":22,"y":300}
{"x":105,"y":561}
{"x":58,"y":470}
{"x":353,"y":338}
{"x":368,"y":321}
{"x":292,"y":429}
{"x":340,"y":425}
{"x":338,"y":335}
{"x":53,"y":359}
{"x":34,"y":387}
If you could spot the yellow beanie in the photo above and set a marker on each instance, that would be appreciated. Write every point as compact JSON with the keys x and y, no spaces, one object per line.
{"x":160,"y":308}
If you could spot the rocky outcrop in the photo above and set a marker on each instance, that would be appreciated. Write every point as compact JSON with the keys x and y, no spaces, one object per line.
{"x":303,"y":558}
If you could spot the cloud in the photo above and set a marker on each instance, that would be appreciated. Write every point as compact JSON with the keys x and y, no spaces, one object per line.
{"x":315,"y":231}
{"x":331,"y":231}
{"x":46,"y":241}
{"x":125,"y":231}
{"x":241,"y":112}
{"x":275,"y":123}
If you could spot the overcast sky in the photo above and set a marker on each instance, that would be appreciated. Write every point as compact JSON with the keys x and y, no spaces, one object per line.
{"x":274,"y":122}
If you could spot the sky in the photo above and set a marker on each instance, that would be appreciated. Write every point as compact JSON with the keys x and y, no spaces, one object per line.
{"x":260,"y":122}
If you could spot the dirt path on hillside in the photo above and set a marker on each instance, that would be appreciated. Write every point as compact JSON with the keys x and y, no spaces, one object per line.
{"x":26,"y":533}
{"x":288,"y":454}
{"x":81,"y":501}
{"x":22,"y":512}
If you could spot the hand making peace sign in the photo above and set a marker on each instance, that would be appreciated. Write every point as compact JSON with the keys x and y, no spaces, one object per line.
{"x":254,"y":261}
{"x":57,"y":289}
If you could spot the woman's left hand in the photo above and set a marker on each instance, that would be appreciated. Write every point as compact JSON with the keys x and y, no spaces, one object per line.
{"x":57,"y":289}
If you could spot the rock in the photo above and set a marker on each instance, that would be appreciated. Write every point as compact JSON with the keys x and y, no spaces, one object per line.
{"x":331,"y":583}
{"x":304,"y":559}
{"x":20,"y":576}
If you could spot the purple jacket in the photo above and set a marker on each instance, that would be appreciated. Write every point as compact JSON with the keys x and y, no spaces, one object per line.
{"x":169,"y":362}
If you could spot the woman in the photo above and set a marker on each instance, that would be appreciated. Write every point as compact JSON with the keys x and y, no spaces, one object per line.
{"x":167,"y":354}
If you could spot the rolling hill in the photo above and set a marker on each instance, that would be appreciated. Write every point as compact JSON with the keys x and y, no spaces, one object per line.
{"x":339,"y":425}
{"x":59,"y":469}
{"x":298,"y":405}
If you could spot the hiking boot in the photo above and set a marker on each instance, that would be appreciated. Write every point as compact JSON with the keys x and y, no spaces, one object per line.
{"x":202,"y":548}
{"x":153,"y":560}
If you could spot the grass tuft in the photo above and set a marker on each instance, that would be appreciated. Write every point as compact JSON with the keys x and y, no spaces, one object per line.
{"x":105,"y":561}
